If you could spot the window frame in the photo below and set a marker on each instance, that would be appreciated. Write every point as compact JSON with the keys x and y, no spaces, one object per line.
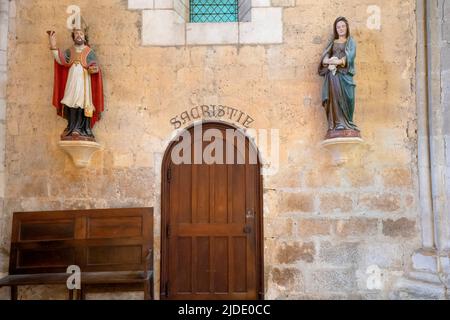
{"x":165,"y":23}
{"x":213,"y":17}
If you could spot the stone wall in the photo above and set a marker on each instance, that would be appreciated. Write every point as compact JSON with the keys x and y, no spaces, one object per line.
{"x":328,"y":229}
{"x":4,"y":18}
{"x":430,"y":277}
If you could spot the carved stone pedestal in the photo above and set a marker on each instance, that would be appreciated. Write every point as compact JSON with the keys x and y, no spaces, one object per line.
{"x":343,"y":149}
{"x":80,"y":151}
{"x":429,"y":278}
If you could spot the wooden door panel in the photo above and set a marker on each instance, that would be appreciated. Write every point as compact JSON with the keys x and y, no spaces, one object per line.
{"x":201,"y":184}
{"x":219,"y":270}
{"x":239,"y":253}
{"x":221,"y":194}
{"x":203,"y":267}
{"x":205,"y":229}
{"x":238,"y":198}
{"x":185,"y":195}
{"x":183,"y":283}
{"x":211,"y":233}
{"x":211,"y":265}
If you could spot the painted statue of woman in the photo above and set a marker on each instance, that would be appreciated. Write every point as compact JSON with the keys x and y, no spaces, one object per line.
{"x":337,"y":66}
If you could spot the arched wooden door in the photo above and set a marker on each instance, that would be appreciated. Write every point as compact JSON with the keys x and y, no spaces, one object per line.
{"x":211,"y":232}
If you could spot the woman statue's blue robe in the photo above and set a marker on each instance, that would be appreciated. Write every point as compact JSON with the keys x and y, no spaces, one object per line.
{"x":338,"y":93}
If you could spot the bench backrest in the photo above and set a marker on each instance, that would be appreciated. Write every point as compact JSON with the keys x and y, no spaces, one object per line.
{"x":95,"y":240}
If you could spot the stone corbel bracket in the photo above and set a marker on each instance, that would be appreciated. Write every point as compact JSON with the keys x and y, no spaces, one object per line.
{"x":80,"y":151}
{"x":343,"y":150}
{"x":166,"y":23}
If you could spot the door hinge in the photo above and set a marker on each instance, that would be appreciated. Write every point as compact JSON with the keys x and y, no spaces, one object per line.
{"x":167,"y":289}
{"x":168,"y":231}
{"x":169,"y":174}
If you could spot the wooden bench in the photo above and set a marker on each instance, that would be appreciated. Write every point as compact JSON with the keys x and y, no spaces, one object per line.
{"x":112,"y":247}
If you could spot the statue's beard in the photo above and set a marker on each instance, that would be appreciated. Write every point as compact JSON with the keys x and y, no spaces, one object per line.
{"x":79,"y":41}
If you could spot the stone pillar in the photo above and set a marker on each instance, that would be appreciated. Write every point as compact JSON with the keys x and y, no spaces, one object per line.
{"x":439,"y":89}
{"x":430,"y":275}
{"x":444,"y":133}
{"x":4,"y":18}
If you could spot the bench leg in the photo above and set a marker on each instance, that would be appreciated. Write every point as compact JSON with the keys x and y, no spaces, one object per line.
{"x":80,"y":294}
{"x":152,"y":289}
{"x":70,"y":294}
{"x":14,"y":293}
{"x":148,"y":290}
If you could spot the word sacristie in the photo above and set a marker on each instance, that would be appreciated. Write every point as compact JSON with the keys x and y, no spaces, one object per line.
{"x":212,"y":112}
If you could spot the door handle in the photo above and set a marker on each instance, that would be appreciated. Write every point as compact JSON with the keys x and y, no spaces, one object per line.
{"x":247,"y":229}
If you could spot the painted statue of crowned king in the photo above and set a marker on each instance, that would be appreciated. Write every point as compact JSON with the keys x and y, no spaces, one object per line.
{"x":78,"y":86}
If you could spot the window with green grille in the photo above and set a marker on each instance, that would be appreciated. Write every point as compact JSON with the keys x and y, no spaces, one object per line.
{"x":213,"y":10}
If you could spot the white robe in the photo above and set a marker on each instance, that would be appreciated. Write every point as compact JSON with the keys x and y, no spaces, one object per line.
{"x":78,"y":92}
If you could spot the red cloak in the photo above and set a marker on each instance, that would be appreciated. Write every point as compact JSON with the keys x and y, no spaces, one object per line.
{"x":61,"y":73}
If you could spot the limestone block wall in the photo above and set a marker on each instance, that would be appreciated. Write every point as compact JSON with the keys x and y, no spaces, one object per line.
{"x":4,"y":19}
{"x":327,"y":229}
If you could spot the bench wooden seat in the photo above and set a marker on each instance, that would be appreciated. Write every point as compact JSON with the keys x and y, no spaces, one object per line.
{"x":112,"y":248}
{"x":114,"y":277}
{"x":86,"y":278}
{"x":34,"y":279}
